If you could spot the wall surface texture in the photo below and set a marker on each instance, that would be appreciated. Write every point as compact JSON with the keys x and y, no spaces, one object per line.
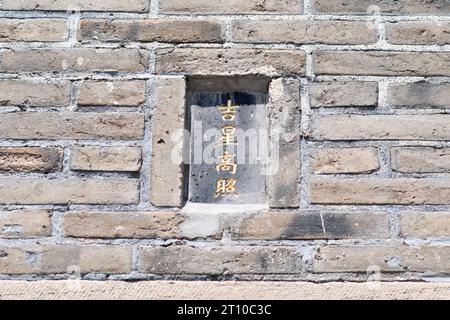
{"x":92,"y":90}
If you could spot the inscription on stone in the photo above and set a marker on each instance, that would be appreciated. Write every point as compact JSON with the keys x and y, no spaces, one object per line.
{"x":228,"y":147}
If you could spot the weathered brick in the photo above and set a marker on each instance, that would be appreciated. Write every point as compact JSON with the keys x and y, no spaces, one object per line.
{"x":353,"y":225}
{"x":380,"y":127}
{"x":419,"y":95}
{"x":102,"y":158}
{"x":415,"y":224}
{"x":49,"y":30}
{"x":114,"y":93}
{"x":33,"y":93}
{"x":382,"y":63}
{"x":74,"y":60}
{"x":47,"y":259}
{"x":420,"y":159}
{"x":231,"y":7}
{"x":30,"y":159}
{"x":284,"y":119}
{"x":387,"y":7}
{"x":311,"y":225}
{"x":65,"y":191}
{"x":151,"y":30}
{"x":139,"y":225}
{"x":418,"y":33}
{"x":77,"y":5}
{"x":167,"y":160}
{"x":344,"y":94}
{"x":230,"y":62}
{"x":345,"y":160}
{"x":329,"y":32}
{"x":220,"y":260}
{"x":25,"y":224}
{"x":71,"y":125}
{"x":386,"y":258}
{"x":380,"y":191}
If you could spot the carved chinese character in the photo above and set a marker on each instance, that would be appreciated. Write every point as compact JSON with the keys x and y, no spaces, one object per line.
{"x":228,"y":111}
{"x":227,"y":163}
{"x":228,"y":137}
{"x":226,"y":187}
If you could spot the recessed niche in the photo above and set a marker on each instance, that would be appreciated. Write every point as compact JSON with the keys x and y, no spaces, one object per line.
{"x":228,"y":142}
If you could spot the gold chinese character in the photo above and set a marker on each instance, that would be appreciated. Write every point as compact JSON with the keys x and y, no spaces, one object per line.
{"x":228,"y":136}
{"x":228,"y":111}
{"x":226,"y":186}
{"x":227,"y":163}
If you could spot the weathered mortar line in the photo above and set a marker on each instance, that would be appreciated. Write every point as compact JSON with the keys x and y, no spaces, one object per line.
{"x":394,"y":222}
{"x":57,"y":226}
{"x":377,"y":143}
{"x":55,"y":78}
{"x":317,"y":46}
{"x":315,"y":278}
{"x":154,"y":13}
{"x":323,"y":223}
{"x":307,"y":8}
{"x":385,"y":160}
{"x":227,"y":31}
{"x":65,"y":162}
{"x":309,"y":63}
{"x":211,"y":243}
{"x":382,"y":95}
{"x":73,"y":99}
{"x":63,"y":143}
{"x":52,"y":78}
{"x":308,"y":209}
{"x":397,"y":112}
{"x":74,"y":20}
{"x":387,"y":208}
{"x":300,"y":17}
{"x":134,"y":258}
{"x":154,"y":9}
{"x":304,"y":153}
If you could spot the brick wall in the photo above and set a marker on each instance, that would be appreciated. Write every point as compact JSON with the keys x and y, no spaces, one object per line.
{"x":90,"y":92}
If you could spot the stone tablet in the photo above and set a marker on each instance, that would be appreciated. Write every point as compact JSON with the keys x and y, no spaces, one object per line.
{"x":228,"y":147}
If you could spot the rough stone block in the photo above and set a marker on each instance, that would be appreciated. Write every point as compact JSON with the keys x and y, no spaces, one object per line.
{"x":33,"y":93}
{"x":382,"y":63}
{"x":50,"y":259}
{"x":102,"y":158}
{"x":23,"y":224}
{"x":301,"y":32}
{"x":39,"y":29}
{"x":383,"y":258}
{"x":77,"y":5}
{"x":220,"y":260}
{"x":65,"y":191}
{"x":373,"y":191}
{"x":168,"y":141}
{"x":138,"y":225}
{"x":380,"y":127}
{"x":207,"y":62}
{"x":414,"y":224}
{"x":30,"y":159}
{"x":344,"y":94}
{"x":285,"y":165}
{"x":112,"y":93}
{"x":345,"y":160}
{"x":72,"y":125}
{"x":227,"y":7}
{"x":151,"y":30}
{"x":74,"y":60}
